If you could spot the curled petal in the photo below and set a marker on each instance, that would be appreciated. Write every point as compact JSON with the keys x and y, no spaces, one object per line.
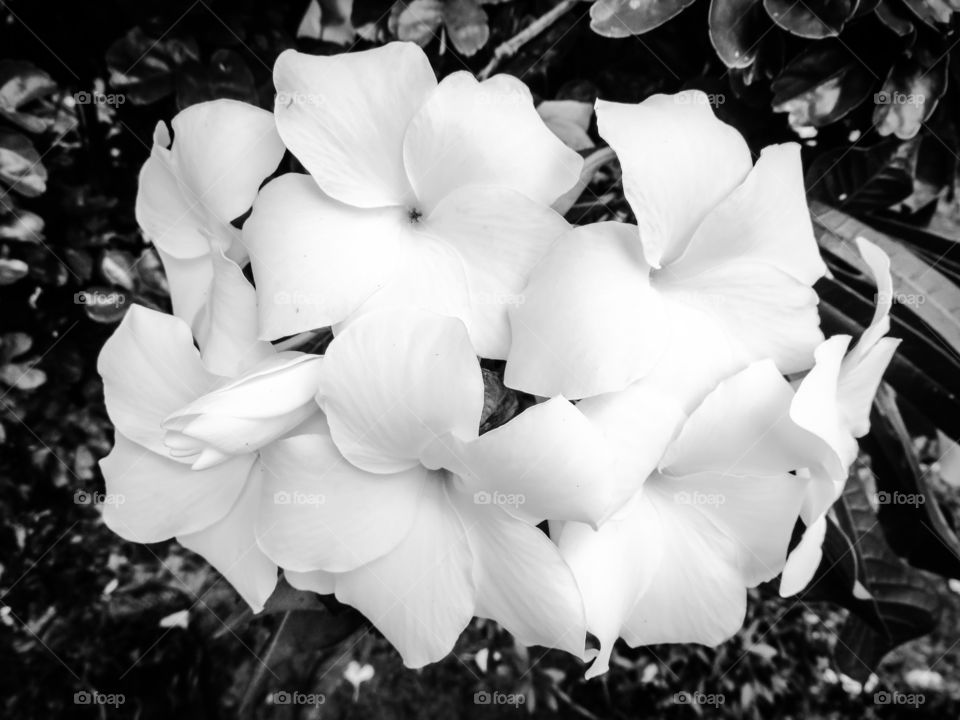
{"x":151,"y":498}
{"x":678,"y":162}
{"x":189,"y":281}
{"x":472,"y":133}
{"x":272,"y":398}
{"x":394,"y":380}
{"x":316,"y":260}
{"x":345,"y":117}
{"x":804,"y":559}
{"x":319,"y":512}
{"x":589,"y":322}
{"x":231,"y":547}
{"x":150,"y":369}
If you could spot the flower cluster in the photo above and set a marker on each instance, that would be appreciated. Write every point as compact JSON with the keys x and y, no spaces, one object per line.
{"x":685,"y":408}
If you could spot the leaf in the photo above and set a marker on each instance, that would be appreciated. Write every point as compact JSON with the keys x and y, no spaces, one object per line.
{"x":904,"y":603}
{"x":894,"y":17}
{"x":736,"y":28}
{"x":932,"y":12}
{"x":117,"y":268}
{"x":500,"y":403}
{"x":591,"y":164}
{"x":103,"y":305}
{"x":226,"y":77}
{"x":21,"y":226}
{"x":821,"y":85}
{"x":623,"y":18}
{"x":417,"y":22}
{"x":911,"y":516}
{"x":12,"y":270}
{"x":466,"y":23}
{"x":21,"y":84}
{"x":13,"y":345}
{"x":20,"y":165}
{"x":568,"y":120}
{"x":22,"y":376}
{"x":860,"y":179}
{"x":813,"y":19}
{"x":142,"y":67}
{"x":910,"y":94}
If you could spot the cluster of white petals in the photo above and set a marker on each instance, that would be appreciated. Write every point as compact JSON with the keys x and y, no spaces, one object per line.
{"x":685,"y":408}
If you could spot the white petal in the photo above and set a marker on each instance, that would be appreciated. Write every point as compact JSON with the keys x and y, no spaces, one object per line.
{"x":227,"y":330}
{"x":396,"y":379}
{"x":189,"y":281}
{"x":231,"y":547}
{"x":150,"y":368}
{"x":678,"y":162}
{"x":500,"y":237}
{"x":764,"y":220}
{"x":421,"y":594}
{"x":589,"y":322}
{"x":548,"y":462}
{"x":521,"y":580}
{"x":318,"y":512}
{"x":485,"y":133}
{"x":804,"y":559}
{"x":569,"y":121}
{"x":345,"y":116}
{"x":154,"y":498}
{"x":318,"y":581}
{"x":316,"y":260}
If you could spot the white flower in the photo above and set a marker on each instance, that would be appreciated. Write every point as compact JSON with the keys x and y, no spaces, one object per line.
{"x":419,"y":193}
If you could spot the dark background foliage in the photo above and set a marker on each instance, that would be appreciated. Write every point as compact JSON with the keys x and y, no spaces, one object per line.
{"x":82,"y":86}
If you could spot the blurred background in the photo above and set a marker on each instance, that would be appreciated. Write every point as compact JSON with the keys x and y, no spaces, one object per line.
{"x":93,"y":626}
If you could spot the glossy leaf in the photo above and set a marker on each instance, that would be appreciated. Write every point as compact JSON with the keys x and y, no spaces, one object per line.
{"x":20,"y":164}
{"x":226,"y":76}
{"x":860,"y":179}
{"x":142,"y":67}
{"x":466,"y":23}
{"x":418,"y":21}
{"x":814,"y":19}
{"x":22,"y":84}
{"x":910,"y":94}
{"x":736,"y":29}
{"x":623,"y":18}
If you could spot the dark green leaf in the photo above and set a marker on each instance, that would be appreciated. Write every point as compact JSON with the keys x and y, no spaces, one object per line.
{"x":466,"y":23}
{"x":142,"y":67}
{"x":910,"y":94}
{"x":20,"y":165}
{"x":416,"y":22}
{"x":227,"y":76}
{"x":21,"y":84}
{"x":623,"y":18}
{"x":860,"y":179}
{"x":736,"y":28}
{"x":814,"y":19}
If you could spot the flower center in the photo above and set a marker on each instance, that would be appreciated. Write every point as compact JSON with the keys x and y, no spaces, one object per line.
{"x":414,"y":215}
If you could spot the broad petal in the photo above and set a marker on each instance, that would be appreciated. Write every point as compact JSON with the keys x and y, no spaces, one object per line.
{"x":548,"y":462}
{"x":189,"y":281}
{"x":761,"y":310}
{"x":396,"y":379}
{"x":421,"y":595}
{"x":743,"y":427}
{"x":151,"y":498}
{"x":756,"y":513}
{"x":472,"y":133}
{"x":318,"y":512}
{"x":150,"y":368}
{"x":500,"y":236}
{"x":222,"y":151}
{"x":589,"y":322}
{"x":318,"y":581}
{"x":316,"y":260}
{"x":678,"y":162}
{"x":765,"y":220}
{"x":613,"y":566}
{"x":227,"y":330}
{"x":345,"y":117}
{"x":804,"y":559}
{"x":265,"y":403}
{"x":521,"y":580}
{"x":231,"y":547}
{"x":698,"y":594}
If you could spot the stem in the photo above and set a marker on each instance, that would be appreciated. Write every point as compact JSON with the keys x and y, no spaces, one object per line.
{"x":512,"y":46}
